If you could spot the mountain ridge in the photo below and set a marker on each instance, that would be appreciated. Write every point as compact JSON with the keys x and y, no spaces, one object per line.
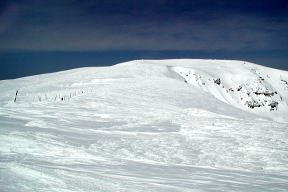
{"x":247,"y":86}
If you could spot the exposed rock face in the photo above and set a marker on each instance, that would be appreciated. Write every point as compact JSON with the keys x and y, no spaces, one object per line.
{"x":251,"y":92}
{"x":252,"y":104}
{"x":284,"y":81}
{"x":273,"y":105}
{"x":239,"y":88}
{"x":267,"y":94}
{"x":217,"y":81}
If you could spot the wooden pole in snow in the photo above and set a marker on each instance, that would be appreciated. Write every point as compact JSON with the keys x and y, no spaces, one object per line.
{"x":16,"y":96}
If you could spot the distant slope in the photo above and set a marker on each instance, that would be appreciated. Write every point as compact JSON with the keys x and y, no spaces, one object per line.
{"x":250,"y":87}
{"x":247,"y":86}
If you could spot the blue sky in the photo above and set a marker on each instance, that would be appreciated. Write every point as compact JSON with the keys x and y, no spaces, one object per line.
{"x":46,"y":36}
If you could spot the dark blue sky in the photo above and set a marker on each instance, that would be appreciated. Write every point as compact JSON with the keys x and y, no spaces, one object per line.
{"x":45,"y":36}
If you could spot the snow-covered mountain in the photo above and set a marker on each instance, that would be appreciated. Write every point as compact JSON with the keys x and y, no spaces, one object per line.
{"x":242,"y":85}
{"x":156,"y":125}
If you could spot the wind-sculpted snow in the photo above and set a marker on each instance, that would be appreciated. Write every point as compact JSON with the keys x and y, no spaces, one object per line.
{"x":245,"y":86}
{"x":138,"y":126}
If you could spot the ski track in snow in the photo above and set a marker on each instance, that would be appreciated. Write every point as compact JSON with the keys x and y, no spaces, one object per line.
{"x":134,"y":132}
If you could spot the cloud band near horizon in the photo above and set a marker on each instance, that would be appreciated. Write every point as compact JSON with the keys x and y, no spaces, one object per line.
{"x":143,"y":25}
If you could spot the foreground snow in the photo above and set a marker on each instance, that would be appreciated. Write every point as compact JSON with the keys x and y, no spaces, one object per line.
{"x":146,"y":126}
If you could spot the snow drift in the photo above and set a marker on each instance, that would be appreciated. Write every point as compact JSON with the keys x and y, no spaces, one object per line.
{"x":156,"y":125}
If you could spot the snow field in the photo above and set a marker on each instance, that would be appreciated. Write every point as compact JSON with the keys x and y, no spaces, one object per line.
{"x":137,"y":126}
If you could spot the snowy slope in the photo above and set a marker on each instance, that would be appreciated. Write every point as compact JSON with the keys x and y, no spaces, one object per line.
{"x":250,"y":87}
{"x":147,"y":125}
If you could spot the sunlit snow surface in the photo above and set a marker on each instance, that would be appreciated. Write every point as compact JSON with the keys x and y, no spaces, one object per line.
{"x":138,"y":126}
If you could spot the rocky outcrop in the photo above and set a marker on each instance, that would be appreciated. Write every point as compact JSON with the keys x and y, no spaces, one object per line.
{"x":253,"y":92}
